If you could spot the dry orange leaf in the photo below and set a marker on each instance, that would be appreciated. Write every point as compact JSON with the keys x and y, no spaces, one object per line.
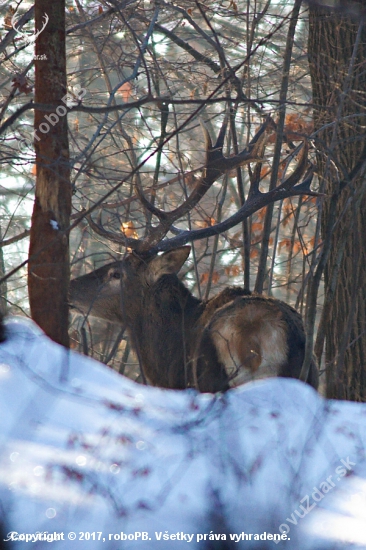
{"x":257,"y":227}
{"x":284,"y":243}
{"x":128,"y":229}
{"x":295,"y":123}
{"x":207,"y":222}
{"x":232,"y":270}
{"x":297,"y":246}
{"x":125,"y":91}
{"x":264,"y":172}
{"x":204,"y":277}
{"x":233,"y":5}
{"x":21,"y":83}
{"x":8,"y":18}
{"x":261,"y":213}
{"x":287,"y":244}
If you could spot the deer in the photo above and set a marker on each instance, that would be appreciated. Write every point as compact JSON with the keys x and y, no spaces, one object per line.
{"x":180,"y":340}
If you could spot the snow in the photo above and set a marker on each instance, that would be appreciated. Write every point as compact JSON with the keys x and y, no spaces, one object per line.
{"x":85,"y":450}
{"x":54,"y":225}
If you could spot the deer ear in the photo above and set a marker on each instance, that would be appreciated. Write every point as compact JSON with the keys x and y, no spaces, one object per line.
{"x":168,"y":263}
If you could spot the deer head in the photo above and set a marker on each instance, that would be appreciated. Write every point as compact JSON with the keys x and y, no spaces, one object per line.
{"x":115,"y":291}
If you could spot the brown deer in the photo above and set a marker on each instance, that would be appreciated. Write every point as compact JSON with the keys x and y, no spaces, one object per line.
{"x":182,"y":341}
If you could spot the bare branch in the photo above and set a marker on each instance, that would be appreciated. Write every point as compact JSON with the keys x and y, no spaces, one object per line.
{"x":12,"y":32}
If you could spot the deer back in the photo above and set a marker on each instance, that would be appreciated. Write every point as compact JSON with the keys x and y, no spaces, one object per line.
{"x":251,"y":337}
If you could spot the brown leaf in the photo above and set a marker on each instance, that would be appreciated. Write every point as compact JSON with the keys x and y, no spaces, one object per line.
{"x":125,"y":91}
{"x":8,"y":17}
{"x":233,"y":5}
{"x":284,"y":243}
{"x":296,"y":124}
{"x":257,"y":227}
{"x":261,"y":213}
{"x":232,"y":270}
{"x":128,"y":229}
{"x":207,"y":222}
{"x":21,"y":83}
{"x":297,"y":246}
{"x":204,"y":277}
{"x":264,"y":172}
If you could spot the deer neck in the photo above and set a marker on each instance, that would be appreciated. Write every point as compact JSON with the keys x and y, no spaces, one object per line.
{"x":163,"y":332}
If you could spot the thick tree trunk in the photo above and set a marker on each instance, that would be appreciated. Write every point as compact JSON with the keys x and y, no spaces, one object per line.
{"x":48,"y":274}
{"x":337,"y":53}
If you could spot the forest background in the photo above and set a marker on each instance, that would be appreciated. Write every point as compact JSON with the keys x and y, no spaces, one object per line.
{"x":100,"y":131}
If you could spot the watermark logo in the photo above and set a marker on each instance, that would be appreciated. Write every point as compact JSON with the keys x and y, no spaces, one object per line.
{"x":317,"y":495}
{"x":30,"y":38}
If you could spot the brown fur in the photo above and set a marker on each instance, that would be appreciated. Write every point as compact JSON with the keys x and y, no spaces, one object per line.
{"x":250,"y":337}
{"x":182,"y":341}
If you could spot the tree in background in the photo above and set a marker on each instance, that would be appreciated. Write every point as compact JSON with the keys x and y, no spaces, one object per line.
{"x":337,"y":53}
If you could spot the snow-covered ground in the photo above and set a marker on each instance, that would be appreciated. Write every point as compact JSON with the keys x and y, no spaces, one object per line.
{"x":89,"y":454}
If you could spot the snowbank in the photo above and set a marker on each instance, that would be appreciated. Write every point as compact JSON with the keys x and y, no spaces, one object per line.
{"x":86,"y":452}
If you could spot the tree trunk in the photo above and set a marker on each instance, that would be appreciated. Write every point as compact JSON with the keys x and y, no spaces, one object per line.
{"x":3,"y":285}
{"x":48,"y":273}
{"x":337,"y":53}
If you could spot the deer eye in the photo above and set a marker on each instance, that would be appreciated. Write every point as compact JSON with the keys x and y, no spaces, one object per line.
{"x":115,"y":275}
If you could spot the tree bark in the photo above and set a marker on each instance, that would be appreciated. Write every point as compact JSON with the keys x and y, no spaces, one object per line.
{"x":48,"y":273}
{"x":3,"y":285}
{"x":337,"y":53}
